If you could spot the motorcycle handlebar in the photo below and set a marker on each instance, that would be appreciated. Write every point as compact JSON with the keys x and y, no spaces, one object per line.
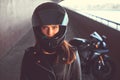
{"x":95,"y":42}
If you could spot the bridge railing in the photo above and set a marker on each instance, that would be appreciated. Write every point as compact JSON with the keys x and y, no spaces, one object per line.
{"x":107,"y":22}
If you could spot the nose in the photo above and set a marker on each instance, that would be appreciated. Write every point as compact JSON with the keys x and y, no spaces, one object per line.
{"x":50,"y":32}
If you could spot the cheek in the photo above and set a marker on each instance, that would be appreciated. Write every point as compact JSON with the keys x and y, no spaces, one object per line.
{"x":44,"y":31}
{"x":56,"y":31}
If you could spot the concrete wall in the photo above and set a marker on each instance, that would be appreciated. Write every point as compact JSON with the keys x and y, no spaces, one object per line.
{"x":14,"y":16}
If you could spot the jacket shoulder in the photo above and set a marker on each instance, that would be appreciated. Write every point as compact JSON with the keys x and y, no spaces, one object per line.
{"x":29,"y":50}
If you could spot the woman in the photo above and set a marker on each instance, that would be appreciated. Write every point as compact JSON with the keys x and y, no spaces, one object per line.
{"x":52,"y":57}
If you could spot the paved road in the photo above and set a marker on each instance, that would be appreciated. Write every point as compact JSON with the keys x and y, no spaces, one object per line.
{"x":11,"y":62}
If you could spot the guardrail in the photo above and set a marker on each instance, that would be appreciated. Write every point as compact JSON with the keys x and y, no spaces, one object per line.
{"x":107,"y":22}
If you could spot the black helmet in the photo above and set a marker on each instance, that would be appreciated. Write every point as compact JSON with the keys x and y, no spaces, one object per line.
{"x":46,"y":14}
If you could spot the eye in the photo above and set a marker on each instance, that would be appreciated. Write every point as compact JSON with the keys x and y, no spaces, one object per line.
{"x":55,"y":27}
{"x":44,"y":27}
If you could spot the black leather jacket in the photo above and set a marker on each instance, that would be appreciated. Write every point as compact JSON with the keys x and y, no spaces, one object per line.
{"x":37,"y":67}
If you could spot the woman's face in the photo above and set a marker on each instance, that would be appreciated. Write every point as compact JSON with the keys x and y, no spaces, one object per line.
{"x":50,"y":30}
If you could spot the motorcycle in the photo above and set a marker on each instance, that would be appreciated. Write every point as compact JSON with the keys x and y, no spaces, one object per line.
{"x":94,"y":56}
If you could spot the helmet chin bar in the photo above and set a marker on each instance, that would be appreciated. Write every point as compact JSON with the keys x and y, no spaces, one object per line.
{"x":51,"y":45}
{"x":46,"y":52}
